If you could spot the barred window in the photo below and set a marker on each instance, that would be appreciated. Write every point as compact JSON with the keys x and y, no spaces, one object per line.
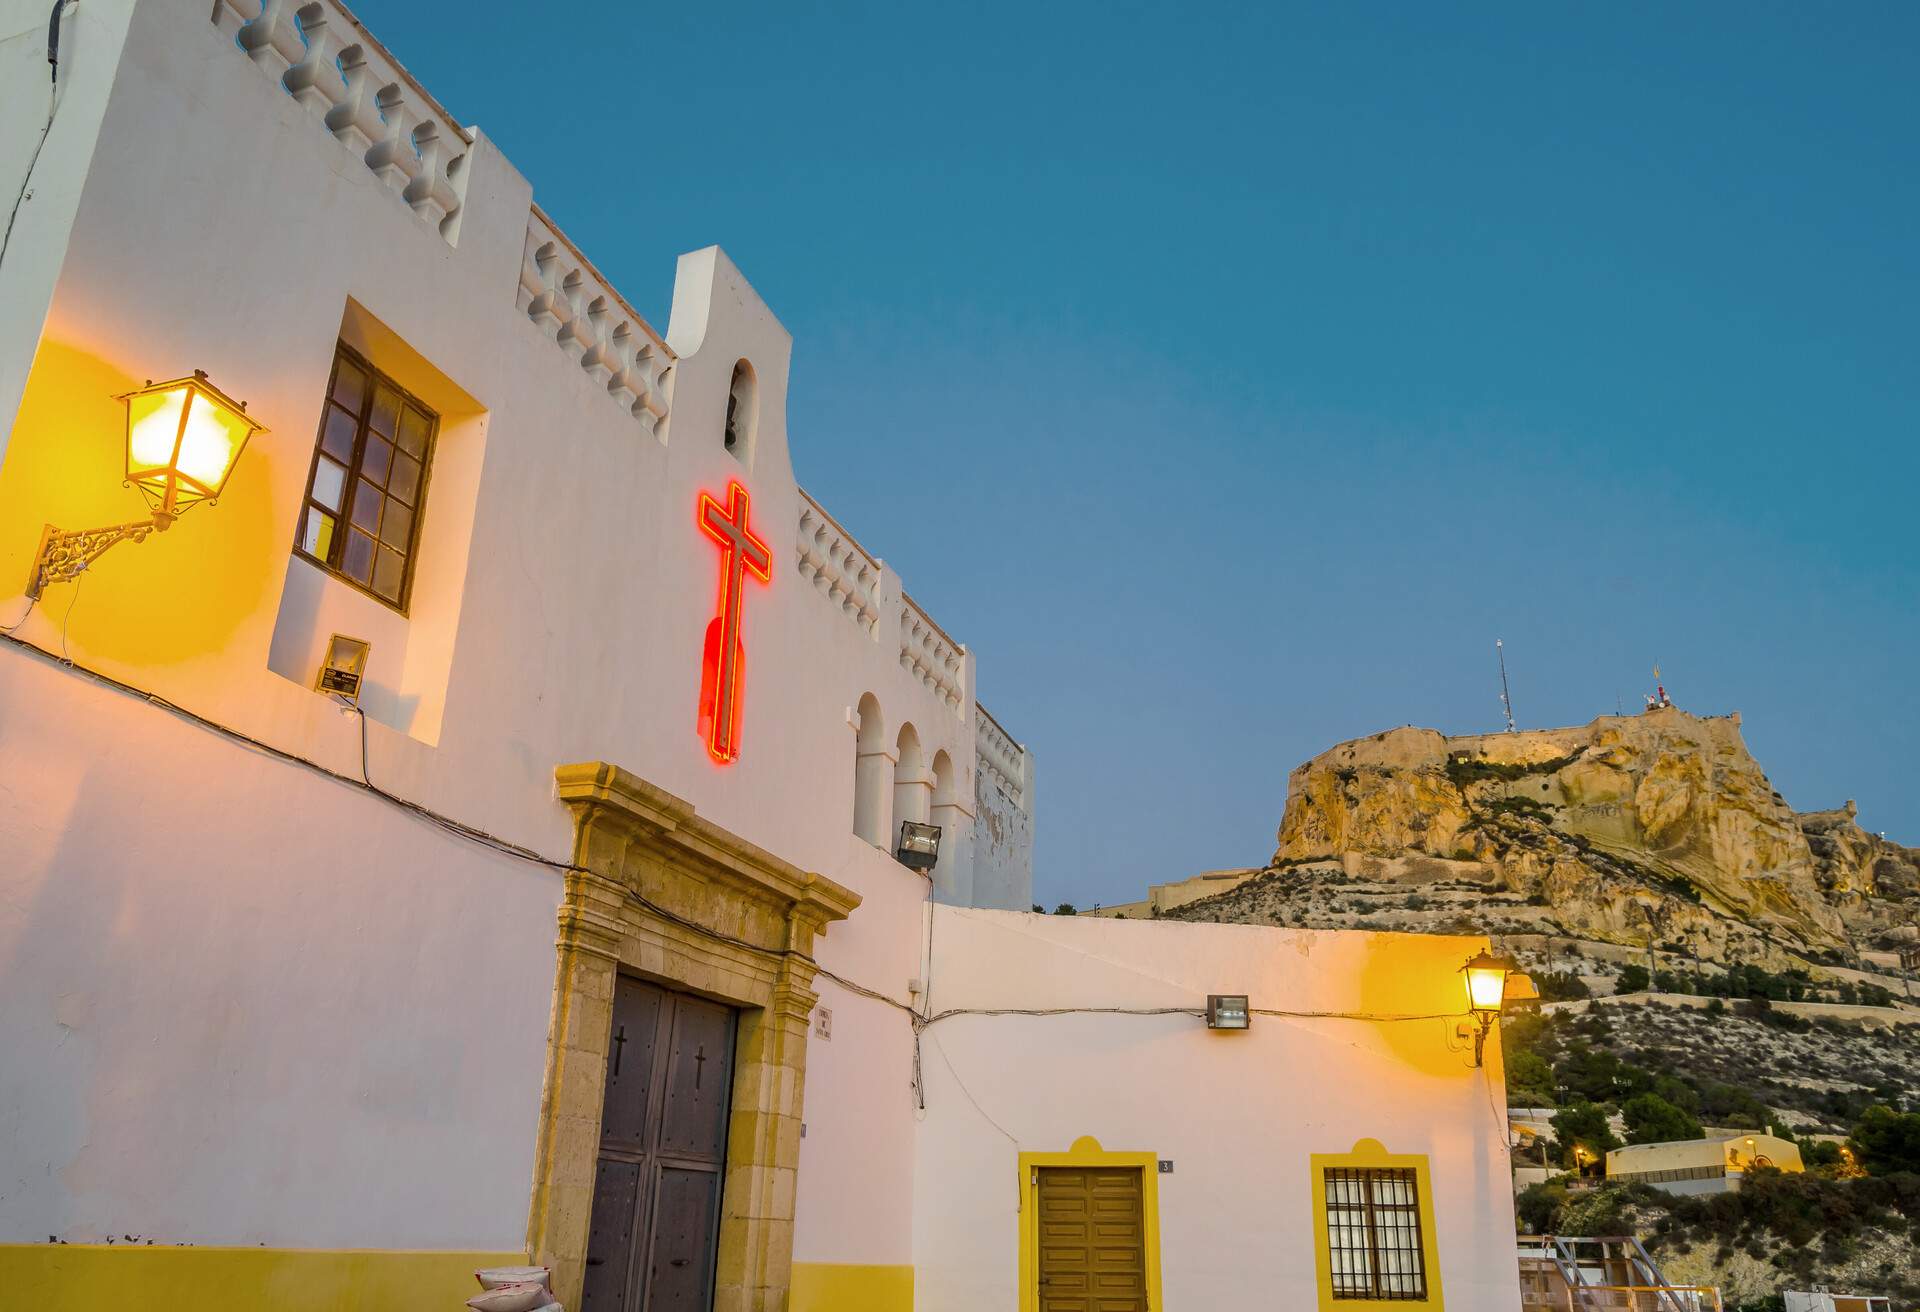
{"x":1373,"y":1233}
{"x":369,"y":481}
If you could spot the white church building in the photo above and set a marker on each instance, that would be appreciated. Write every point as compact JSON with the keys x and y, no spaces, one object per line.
{"x":463,"y":804}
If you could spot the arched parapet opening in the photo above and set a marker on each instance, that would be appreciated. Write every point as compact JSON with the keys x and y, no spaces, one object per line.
{"x":912,"y":781}
{"x":873,"y":760}
{"x":743,"y":413}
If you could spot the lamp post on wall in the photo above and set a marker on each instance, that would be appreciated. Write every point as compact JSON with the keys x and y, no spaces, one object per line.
{"x":1486,"y":990}
{"x":183,"y":439}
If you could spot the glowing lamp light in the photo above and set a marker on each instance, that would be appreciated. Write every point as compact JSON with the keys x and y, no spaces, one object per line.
{"x":1486,"y":990}
{"x":1487,"y":982}
{"x":183,"y":439}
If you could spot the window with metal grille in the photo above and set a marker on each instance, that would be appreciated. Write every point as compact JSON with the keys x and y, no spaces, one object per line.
{"x":368,"y":484}
{"x":1373,"y":1233}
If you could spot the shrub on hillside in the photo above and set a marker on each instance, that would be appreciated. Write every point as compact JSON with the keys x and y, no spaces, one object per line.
{"x":1888,"y":1142}
{"x":1652,"y":1119}
{"x":1529,"y":1080}
{"x":1584,"y":1125}
{"x":1561,"y":986}
{"x":1633,"y":979}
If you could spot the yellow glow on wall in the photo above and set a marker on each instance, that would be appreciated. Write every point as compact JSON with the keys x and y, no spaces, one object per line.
{"x":180,"y":596}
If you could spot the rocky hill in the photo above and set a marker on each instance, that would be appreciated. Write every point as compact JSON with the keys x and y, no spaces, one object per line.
{"x":1660,"y":824}
{"x":1695,"y":936}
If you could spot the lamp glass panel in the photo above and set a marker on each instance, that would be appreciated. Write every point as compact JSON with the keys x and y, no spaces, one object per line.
{"x":1486,"y":985}
{"x":153,"y":421}
{"x":213,"y":438}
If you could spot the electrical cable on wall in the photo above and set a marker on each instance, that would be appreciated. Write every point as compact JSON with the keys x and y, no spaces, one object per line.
{"x":506,"y":847}
{"x":53,"y":104}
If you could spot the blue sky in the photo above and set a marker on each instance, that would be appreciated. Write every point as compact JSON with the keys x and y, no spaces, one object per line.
{"x":1229,"y":378}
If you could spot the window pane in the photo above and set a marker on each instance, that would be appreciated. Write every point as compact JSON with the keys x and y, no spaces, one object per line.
{"x":357,"y":564}
{"x":413,"y":432}
{"x":395,"y":525}
{"x":376,"y":458}
{"x":336,"y":439}
{"x":317,"y":539}
{"x":366,"y":505}
{"x":329,"y":481}
{"x":389,"y":573}
{"x":369,"y":479}
{"x":386,"y":409}
{"x":349,"y":384}
{"x":404,"y":481}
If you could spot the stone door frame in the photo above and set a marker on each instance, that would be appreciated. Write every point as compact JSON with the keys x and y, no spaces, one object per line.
{"x":661,"y":893}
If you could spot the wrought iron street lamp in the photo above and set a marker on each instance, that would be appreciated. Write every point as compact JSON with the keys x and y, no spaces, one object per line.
{"x":1486,"y":990}
{"x":183,"y":439}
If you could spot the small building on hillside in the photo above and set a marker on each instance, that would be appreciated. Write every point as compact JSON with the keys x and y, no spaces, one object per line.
{"x":1701,"y":1166}
{"x":1162,"y":898}
{"x":1819,"y":1300}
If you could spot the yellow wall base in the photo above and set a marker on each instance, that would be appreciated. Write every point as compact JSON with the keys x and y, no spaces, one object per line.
{"x":98,"y":1277}
{"x":831,"y":1287}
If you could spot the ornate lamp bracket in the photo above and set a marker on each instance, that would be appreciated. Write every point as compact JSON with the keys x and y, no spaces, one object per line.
{"x":65,"y":554}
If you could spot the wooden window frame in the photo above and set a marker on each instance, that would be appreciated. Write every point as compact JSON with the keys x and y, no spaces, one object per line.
{"x":343,"y":516}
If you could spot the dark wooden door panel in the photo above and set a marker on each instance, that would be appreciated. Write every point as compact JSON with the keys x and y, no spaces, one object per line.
{"x":663,"y":1144}
{"x":1092,"y":1241}
{"x":680,"y":1269}
{"x":610,"y":1237}
{"x":641,"y":1012}
{"x":695,"y":1120}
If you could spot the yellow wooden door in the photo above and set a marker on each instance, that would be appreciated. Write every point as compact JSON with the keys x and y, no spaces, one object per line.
{"x":1093,"y":1240}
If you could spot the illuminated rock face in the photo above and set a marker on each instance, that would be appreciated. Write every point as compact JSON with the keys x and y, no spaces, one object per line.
{"x":1662,"y":815}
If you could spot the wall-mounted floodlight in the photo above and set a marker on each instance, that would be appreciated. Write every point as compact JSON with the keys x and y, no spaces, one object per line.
{"x":183,"y":440}
{"x":1228,"y":1011}
{"x":919,"y":845}
{"x":344,"y":669}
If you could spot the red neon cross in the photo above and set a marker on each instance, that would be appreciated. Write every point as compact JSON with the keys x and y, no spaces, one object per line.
{"x":740,"y":553}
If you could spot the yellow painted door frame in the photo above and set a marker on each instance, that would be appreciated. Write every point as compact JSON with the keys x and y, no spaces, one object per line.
{"x":1086,"y":1153}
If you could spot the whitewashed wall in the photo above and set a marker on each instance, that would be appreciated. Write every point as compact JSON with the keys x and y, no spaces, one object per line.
{"x":243,"y":1004}
{"x":565,"y":593}
{"x":1238,"y":1114}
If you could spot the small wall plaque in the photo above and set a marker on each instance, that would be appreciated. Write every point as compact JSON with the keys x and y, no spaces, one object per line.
{"x":1166,"y":1166}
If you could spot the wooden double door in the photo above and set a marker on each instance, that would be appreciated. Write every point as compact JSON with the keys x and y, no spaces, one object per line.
{"x":1092,"y":1240}
{"x":663,"y":1151}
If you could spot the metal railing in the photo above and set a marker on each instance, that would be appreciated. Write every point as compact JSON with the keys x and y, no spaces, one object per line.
{"x":1572,"y":1273}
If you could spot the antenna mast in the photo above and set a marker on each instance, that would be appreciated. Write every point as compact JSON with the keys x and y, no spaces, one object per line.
{"x":1505,"y":699}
